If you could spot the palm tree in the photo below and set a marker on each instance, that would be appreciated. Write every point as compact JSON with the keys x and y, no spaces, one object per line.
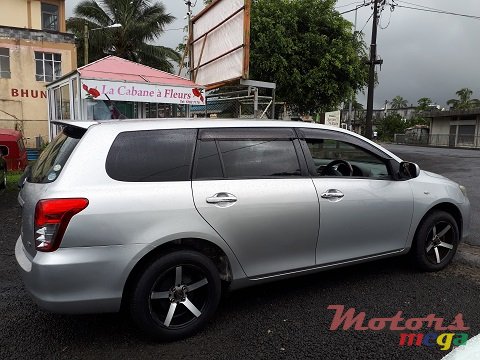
{"x":142,"y":23}
{"x":423,"y":104}
{"x":398,"y":102}
{"x":464,"y":100}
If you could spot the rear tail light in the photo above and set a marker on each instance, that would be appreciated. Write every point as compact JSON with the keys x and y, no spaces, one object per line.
{"x":51,"y":220}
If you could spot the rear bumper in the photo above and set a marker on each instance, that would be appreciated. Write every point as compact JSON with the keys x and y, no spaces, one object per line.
{"x":77,"y":280}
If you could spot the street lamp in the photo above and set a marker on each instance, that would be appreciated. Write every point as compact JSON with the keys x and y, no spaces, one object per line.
{"x":85,"y":38}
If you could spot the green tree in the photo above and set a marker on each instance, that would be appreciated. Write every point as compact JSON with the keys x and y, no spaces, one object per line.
{"x":142,"y":23}
{"x":424,"y":104}
{"x":464,"y":101}
{"x":398,"y":102}
{"x":392,"y":124}
{"x":308,"y":49}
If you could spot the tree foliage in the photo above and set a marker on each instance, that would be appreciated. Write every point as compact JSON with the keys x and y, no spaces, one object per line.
{"x":143,"y":21}
{"x":464,"y":101}
{"x":309,"y":50}
{"x":424,"y":104}
{"x":398,"y":102}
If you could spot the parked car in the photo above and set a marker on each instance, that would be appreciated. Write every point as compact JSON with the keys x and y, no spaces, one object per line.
{"x":13,"y":149}
{"x":156,"y":215}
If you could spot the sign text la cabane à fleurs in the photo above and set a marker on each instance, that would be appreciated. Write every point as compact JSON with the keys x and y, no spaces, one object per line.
{"x":120,"y":91}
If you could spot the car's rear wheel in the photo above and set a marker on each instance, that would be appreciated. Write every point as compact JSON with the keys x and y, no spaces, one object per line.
{"x":175,"y":295}
{"x":436,"y":241}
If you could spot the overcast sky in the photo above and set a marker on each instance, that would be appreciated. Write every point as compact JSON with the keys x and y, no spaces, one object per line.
{"x":425,"y":54}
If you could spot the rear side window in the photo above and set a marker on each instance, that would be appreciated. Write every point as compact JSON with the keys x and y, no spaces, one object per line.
{"x":52,"y":160}
{"x":152,"y":155}
{"x":247,"y":159}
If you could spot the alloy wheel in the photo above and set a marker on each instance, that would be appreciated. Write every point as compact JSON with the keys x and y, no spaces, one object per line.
{"x":440,"y":242}
{"x":179,"y":296}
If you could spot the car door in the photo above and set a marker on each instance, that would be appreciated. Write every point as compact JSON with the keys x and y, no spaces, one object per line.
{"x":362,"y":213}
{"x":252,"y":186}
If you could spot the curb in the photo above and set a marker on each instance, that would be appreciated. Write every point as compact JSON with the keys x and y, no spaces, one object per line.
{"x":468,"y":254}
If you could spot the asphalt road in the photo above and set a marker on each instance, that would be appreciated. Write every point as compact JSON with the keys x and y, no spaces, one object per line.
{"x":282,"y":320}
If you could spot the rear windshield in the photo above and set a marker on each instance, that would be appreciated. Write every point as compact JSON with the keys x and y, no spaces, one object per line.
{"x":51,"y":161}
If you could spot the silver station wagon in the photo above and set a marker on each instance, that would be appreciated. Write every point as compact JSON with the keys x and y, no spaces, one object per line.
{"x":158,"y":216}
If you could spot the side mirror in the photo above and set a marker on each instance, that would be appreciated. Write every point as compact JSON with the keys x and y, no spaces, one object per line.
{"x":408,"y":170}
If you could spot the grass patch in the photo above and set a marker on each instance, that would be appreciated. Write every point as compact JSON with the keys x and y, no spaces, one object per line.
{"x":12,"y":180}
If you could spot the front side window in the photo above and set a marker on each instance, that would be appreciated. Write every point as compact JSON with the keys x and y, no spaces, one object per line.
{"x":5,"y":63}
{"x":48,"y":66}
{"x":49,"y":17}
{"x":333,"y":157}
{"x":152,"y":155}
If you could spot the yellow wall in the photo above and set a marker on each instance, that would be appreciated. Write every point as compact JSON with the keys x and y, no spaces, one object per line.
{"x":23,"y":102}
{"x":22,"y":96}
{"x":27,"y":13}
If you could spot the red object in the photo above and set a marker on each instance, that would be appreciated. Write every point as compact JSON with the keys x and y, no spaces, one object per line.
{"x":196,"y":92}
{"x":94,"y":92}
{"x":85,"y":87}
{"x":11,"y":141}
{"x":51,"y":220}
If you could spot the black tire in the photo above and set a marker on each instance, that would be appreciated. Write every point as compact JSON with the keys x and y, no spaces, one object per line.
{"x":159,"y":280}
{"x":434,"y":253}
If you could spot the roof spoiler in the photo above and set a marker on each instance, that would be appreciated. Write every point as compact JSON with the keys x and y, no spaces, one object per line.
{"x":78,"y":124}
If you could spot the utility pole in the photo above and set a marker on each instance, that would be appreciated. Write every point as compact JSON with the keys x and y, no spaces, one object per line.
{"x":349,"y":121}
{"x":371,"y":75}
{"x":85,"y":44}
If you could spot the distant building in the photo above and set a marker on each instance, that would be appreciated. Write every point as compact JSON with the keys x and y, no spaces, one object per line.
{"x":34,"y":50}
{"x":454,"y":128}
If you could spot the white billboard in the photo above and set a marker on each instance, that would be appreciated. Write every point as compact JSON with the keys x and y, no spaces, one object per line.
{"x":220,"y":43}
{"x":332,"y":118}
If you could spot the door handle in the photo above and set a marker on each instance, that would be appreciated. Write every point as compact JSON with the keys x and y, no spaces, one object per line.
{"x":221,"y":197}
{"x":332,"y":194}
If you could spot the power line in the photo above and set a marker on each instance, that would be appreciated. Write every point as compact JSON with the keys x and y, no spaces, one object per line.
{"x":353,"y":3}
{"x":354,"y":9}
{"x":422,"y":6}
{"x":371,"y":15}
{"x":440,"y":12}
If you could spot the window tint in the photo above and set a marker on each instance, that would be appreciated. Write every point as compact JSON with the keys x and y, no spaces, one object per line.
{"x":153,"y":155}
{"x":259,"y":158}
{"x":208,"y":161}
{"x":364,"y":164}
{"x":51,"y":161}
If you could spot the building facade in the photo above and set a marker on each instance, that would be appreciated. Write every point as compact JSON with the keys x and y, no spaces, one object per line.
{"x":34,"y":50}
{"x":454,"y":128}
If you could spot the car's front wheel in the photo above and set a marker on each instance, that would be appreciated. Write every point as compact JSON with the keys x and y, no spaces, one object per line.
{"x":175,"y":295}
{"x":436,"y":241}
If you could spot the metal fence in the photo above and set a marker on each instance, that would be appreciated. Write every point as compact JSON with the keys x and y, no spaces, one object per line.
{"x":466,"y":141}
{"x":238,"y":104}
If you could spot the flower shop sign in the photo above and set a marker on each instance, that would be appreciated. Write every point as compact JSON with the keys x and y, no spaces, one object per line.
{"x":120,"y":91}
